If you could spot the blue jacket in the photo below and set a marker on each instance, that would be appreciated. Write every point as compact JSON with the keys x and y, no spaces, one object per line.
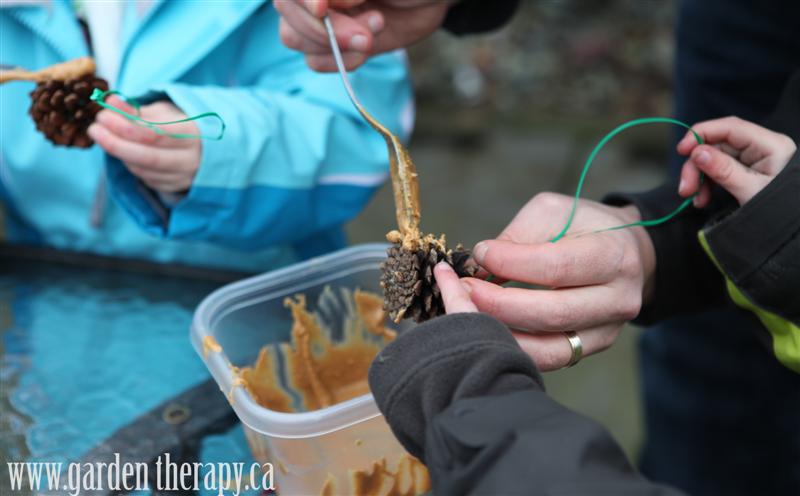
{"x":296,"y":162}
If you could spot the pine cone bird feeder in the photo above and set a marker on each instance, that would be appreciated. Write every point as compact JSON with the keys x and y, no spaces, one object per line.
{"x":60,"y":104}
{"x":409,"y":287}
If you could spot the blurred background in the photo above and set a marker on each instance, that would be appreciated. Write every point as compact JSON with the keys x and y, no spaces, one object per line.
{"x":504,"y":116}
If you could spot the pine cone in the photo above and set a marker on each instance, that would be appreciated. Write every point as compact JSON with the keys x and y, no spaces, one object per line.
{"x":62,"y":110}
{"x":409,"y":287}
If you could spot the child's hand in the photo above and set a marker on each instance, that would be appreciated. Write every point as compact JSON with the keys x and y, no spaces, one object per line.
{"x":165,"y":164}
{"x":740,"y":156}
{"x":454,"y":294}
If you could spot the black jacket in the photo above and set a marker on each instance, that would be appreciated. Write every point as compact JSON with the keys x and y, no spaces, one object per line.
{"x":460,"y":394}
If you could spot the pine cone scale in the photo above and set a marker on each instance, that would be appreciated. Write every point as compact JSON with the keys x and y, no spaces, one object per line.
{"x":410,"y":289}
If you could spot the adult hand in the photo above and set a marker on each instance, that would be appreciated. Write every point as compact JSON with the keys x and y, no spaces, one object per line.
{"x":740,"y":156}
{"x":363,"y":27}
{"x":165,"y":164}
{"x":593,"y":283}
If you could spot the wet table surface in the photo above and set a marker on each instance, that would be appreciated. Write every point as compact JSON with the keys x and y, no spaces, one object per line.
{"x":84,"y":352}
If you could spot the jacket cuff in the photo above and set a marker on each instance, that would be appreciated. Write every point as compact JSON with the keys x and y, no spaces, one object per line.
{"x":456,"y":356}
{"x":478,"y":16}
{"x":756,"y":246}
{"x":142,"y":203}
{"x":784,"y":117}
{"x":217,"y":156}
{"x":217,"y":161}
{"x":674,"y":249}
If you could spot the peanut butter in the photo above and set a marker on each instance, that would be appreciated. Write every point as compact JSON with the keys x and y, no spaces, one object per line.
{"x":370,"y":308}
{"x":410,"y":478}
{"x":261,"y":381}
{"x":71,"y":69}
{"x":321,"y":371}
{"x":210,"y":344}
{"x":324,"y":372}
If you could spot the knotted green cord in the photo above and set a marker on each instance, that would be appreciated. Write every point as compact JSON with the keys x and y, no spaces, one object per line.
{"x":597,"y":148}
{"x":98,"y":96}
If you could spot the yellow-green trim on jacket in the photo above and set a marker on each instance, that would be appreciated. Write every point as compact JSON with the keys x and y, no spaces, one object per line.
{"x":785,"y":334}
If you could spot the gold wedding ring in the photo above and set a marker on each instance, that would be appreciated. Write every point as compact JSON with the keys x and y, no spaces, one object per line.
{"x":576,"y":345}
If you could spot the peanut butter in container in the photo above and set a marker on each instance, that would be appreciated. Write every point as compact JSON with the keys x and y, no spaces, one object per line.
{"x":291,"y":350}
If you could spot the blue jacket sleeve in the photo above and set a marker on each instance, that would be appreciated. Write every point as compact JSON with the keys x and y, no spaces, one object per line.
{"x":296,"y":158}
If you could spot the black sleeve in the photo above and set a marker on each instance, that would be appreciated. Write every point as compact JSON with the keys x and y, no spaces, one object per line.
{"x":685,"y":279}
{"x":479,"y":16}
{"x":460,"y":394}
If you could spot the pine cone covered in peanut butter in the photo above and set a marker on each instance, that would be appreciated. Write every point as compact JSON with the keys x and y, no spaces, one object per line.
{"x":409,"y":288}
{"x":63,"y":111}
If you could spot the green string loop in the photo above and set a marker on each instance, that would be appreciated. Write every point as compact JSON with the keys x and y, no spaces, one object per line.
{"x":98,"y":96}
{"x":597,"y":148}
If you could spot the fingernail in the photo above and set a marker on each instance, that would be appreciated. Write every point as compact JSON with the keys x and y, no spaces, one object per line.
{"x":358,"y":43}
{"x":92,"y":131}
{"x":375,"y":23}
{"x":696,"y":201}
{"x":702,"y":157}
{"x":467,"y":287}
{"x":479,"y":253}
{"x":681,"y":185}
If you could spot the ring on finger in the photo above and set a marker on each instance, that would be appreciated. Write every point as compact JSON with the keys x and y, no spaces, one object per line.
{"x":576,"y":348}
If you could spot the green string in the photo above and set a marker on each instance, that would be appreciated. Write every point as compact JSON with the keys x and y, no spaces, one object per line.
{"x":597,"y":148}
{"x":99,"y":96}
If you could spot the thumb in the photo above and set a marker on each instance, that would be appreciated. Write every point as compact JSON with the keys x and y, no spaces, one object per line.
{"x":740,"y":181}
{"x":354,"y":33}
{"x":454,"y":294}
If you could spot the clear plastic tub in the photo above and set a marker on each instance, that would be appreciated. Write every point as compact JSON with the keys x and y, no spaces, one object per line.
{"x":307,"y":448}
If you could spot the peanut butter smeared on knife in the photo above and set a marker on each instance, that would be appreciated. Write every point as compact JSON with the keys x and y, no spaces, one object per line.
{"x":404,"y":185}
{"x":409,"y":289}
{"x":403,"y":172}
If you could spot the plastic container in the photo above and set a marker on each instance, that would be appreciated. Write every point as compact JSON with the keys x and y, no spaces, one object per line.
{"x":304,"y":448}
